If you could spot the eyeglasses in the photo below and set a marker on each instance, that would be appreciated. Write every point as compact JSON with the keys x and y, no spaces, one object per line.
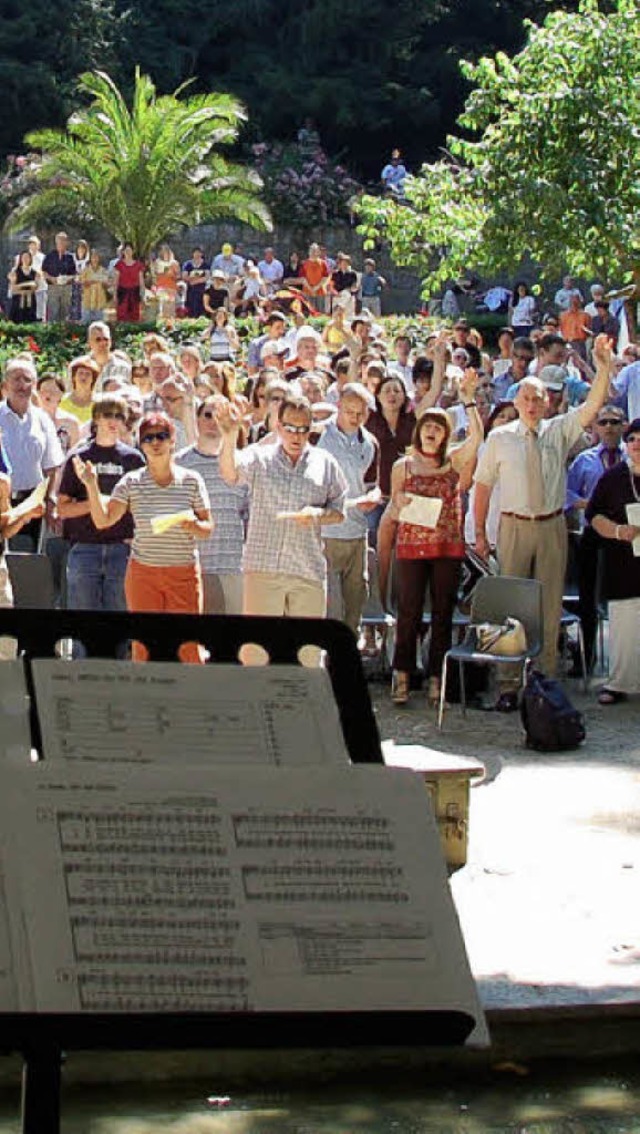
{"x":523,"y":357}
{"x":172,"y":401}
{"x":609,"y":421}
{"x":111,"y":415}
{"x":160,"y":435}
{"x":295,"y":429}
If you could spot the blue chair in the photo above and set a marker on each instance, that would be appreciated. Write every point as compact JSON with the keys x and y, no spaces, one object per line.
{"x":494,"y":599}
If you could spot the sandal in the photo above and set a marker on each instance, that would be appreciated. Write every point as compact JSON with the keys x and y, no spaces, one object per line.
{"x":433,"y":692}
{"x":610,"y":697}
{"x":400,"y":688}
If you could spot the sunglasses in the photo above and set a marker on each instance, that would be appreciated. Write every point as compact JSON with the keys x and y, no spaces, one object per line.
{"x":295,"y":429}
{"x":610,"y":421}
{"x":111,"y":415}
{"x":160,"y":435}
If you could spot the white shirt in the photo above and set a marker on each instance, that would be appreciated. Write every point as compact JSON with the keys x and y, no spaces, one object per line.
{"x":31,"y":445}
{"x":272,"y":273}
{"x":503,"y":461}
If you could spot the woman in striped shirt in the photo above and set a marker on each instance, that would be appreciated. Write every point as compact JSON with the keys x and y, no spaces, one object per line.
{"x":163,"y":573}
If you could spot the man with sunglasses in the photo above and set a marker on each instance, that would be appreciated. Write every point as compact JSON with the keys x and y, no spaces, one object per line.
{"x":98,"y":557}
{"x":584,"y":473}
{"x":295,"y":492}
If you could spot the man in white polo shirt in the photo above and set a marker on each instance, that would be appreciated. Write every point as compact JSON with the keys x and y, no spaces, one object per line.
{"x":527,"y":459}
{"x":30,"y":443}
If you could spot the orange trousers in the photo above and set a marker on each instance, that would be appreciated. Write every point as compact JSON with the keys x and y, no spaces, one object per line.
{"x":177,"y":590}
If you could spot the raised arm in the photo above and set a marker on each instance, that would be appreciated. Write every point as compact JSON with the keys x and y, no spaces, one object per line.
{"x":104,"y":510}
{"x":603,"y":358}
{"x":229,"y":423}
{"x":466,"y":452}
{"x":432,"y":396}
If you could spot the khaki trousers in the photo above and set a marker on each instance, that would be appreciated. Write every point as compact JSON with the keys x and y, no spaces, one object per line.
{"x":274,"y":593}
{"x":347,"y":582}
{"x":537,"y":549}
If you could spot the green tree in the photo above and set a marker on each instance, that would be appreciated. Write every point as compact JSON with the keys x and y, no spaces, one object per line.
{"x":142,"y":172}
{"x":550,"y":168}
{"x":43,"y":47}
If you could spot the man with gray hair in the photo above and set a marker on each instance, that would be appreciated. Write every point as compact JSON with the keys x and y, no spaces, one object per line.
{"x":345,"y":547}
{"x":59,"y":269}
{"x":30,"y":442}
{"x":527,"y":459}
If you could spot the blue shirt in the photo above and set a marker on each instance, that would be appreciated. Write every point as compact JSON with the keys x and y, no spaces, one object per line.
{"x":627,"y":386}
{"x":585,"y":472}
{"x":355,"y":453}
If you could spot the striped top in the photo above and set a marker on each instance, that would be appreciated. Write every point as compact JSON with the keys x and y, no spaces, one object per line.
{"x":146,"y":499}
{"x":221,"y":554}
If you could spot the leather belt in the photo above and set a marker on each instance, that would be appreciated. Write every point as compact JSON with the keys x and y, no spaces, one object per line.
{"x":547,"y":516}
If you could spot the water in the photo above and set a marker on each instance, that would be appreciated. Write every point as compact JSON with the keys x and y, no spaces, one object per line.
{"x":519,"y":1100}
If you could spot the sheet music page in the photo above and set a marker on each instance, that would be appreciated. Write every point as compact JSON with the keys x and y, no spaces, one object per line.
{"x":633,"y":517}
{"x":285,"y":889}
{"x":422,"y":510}
{"x":119,"y":712}
{"x":15,"y":704}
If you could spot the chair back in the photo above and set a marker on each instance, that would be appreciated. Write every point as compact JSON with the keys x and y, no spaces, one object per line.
{"x":497,"y":597}
{"x":31,"y":578}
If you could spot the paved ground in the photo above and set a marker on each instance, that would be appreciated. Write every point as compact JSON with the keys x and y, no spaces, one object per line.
{"x":549,"y":901}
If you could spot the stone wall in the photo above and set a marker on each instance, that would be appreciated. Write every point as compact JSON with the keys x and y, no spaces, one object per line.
{"x":401,"y":295}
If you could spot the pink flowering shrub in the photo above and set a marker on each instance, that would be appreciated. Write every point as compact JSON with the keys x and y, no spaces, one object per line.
{"x":302,"y":185}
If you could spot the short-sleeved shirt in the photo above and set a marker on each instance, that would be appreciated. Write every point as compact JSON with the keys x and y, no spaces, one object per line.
{"x":221,"y":553}
{"x":277,"y":485}
{"x":31,"y":444}
{"x":610,"y":497}
{"x":111,"y":462}
{"x":357,"y":456}
{"x":146,"y":499}
{"x":504,"y":460}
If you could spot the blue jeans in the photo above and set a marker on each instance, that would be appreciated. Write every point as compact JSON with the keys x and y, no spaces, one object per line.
{"x":95,"y":576}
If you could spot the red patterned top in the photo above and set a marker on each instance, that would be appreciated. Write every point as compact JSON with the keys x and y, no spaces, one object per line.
{"x":445,"y":541}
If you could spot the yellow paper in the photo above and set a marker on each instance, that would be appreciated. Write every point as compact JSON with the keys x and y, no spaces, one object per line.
{"x":166,"y":521}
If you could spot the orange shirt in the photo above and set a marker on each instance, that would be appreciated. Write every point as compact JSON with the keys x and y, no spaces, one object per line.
{"x":314,"y":272}
{"x":572,"y":326}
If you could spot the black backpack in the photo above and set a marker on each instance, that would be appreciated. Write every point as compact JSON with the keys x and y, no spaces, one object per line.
{"x":550,"y":721}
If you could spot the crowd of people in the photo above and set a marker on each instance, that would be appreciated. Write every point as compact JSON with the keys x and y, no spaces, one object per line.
{"x":266,"y":476}
{"x":76,"y":286}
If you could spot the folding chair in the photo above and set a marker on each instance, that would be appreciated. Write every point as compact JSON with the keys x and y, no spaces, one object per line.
{"x":494,"y":599}
{"x":31,"y":579}
{"x":374,"y":614}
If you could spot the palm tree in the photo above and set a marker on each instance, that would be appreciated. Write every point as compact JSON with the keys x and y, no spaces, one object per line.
{"x":143,"y":172}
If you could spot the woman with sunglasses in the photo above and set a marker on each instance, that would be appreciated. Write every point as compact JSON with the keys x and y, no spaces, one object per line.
{"x":97,"y":558}
{"x":163,"y":573}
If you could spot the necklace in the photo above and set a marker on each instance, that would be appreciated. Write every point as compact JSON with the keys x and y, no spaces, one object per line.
{"x":632,"y":476}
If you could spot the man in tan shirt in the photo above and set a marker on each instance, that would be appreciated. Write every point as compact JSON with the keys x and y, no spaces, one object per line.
{"x":527,"y":459}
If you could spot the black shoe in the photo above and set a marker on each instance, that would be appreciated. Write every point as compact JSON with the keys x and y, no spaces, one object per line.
{"x":506,"y":703}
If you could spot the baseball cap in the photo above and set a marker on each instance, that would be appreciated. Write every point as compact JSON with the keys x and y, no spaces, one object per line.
{"x":633,"y":427}
{"x":554,"y":377}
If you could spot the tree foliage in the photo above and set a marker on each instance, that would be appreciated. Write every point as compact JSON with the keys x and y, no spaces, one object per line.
{"x":143,"y":171}
{"x":550,"y":167}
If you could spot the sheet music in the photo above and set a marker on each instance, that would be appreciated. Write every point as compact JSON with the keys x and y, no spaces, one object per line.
{"x":633,"y":517}
{"x":286,"y":889}
{"x":422,"y":510}
{"x":94,"y":711}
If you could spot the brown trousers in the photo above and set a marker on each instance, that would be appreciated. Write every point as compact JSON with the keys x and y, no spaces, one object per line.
{"x":537,"y":549}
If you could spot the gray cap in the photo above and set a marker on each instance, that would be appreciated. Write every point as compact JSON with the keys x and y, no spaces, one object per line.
{"x":554,"y":377}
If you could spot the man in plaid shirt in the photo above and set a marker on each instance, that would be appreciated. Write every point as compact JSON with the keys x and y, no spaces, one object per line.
{"x":295,"y":491}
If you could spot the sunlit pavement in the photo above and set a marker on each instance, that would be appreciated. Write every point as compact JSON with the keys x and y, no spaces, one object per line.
{"x":549,"y":900}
